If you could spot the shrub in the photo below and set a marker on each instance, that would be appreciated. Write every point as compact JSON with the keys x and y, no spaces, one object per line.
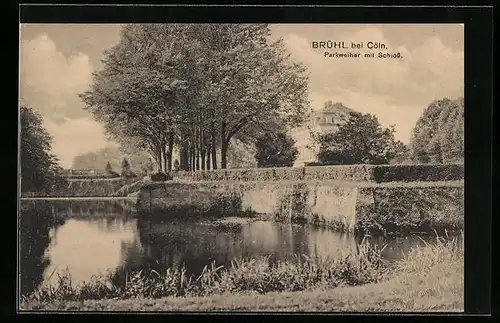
{"x":160,"y":177}
{"x":275,"y":150}
{"x":129,"y":173}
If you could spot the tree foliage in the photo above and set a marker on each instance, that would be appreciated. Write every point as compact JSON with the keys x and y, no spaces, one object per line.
{"x":241,"y":155}
{"x":276,"y":150}
{"x":438,"y":136}
{"x":196,"y":87}
{"x":39,"y":167}
{"x":361,"y":140}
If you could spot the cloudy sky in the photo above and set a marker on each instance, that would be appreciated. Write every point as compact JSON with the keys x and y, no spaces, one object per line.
{"x":57,"y":62}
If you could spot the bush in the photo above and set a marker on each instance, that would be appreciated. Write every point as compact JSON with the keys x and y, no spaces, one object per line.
{"x":160,"y":177}
{"x":275,"y":150}
{"x":129,"y":173}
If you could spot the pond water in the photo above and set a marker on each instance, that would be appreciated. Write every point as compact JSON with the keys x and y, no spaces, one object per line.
{"x":91,"y":238}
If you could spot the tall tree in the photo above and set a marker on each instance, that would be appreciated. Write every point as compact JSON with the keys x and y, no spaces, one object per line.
{"x":438,"y":136}
{"x":135,"y":94}
{"x":361,"y":140}
{"x":109,"y":169}
{"x":39,"y":167}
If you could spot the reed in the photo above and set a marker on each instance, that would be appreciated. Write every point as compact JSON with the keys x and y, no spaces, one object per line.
{"x":260,"y":275}
{"x":425,"y":258}
{"x":255,"y":275}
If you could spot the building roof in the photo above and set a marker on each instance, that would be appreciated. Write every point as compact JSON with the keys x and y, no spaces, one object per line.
{"x":336,"y":107}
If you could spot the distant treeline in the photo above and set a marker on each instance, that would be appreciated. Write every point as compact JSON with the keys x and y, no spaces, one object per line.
{"x":99,"y":159}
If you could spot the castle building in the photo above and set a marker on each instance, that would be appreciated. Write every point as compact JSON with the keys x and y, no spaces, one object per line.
{"x":326,"y":120}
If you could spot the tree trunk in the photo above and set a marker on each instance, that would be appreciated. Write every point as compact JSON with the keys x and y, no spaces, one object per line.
{"x":202,"y":150}
{"x":193,"y":157}
{"x":170,"y":151}
{"x":208,"y":158}
{"x":160,"y":169}
{"x":214,"y":147}
{"x":189,"y":154}
{"x":197,"y":154}
{"x":164,"y":159}
{"x":223,"y":154}
{"x":184,"y":163}
{"x":157,"y":158}
{"x":202,"y":161}
{"x":223,"y":147}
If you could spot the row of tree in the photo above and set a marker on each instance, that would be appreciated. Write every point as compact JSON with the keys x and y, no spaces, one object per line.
{"x":97,"y":160}
{"x":195,"y":87}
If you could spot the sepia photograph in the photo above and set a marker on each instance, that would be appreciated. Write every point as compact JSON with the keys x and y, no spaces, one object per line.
{"x":208,"y":167}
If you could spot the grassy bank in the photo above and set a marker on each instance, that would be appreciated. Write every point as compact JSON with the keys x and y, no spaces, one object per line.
{"x":429,"y":278}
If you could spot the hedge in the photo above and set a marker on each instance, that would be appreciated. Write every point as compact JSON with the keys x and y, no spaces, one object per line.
{"x":160,"y":177}
{"x":94,"y":176}
{"x":407,"y":173}
{"x":364,"y":173}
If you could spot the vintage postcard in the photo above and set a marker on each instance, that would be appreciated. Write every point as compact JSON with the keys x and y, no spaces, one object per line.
{"x":241,"y":167}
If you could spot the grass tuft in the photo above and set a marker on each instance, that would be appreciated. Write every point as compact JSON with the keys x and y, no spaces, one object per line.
{"x":424,"y":259}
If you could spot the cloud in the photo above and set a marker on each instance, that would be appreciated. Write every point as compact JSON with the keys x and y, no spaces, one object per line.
{"x":75,"y":137}
{"x":396,"y":90}
{"x":50,"y":83}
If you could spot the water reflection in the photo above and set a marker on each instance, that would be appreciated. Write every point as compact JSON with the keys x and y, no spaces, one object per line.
{"x":35,"y":232}
{"x":89,"y":247}
{"x":103,"y":238}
